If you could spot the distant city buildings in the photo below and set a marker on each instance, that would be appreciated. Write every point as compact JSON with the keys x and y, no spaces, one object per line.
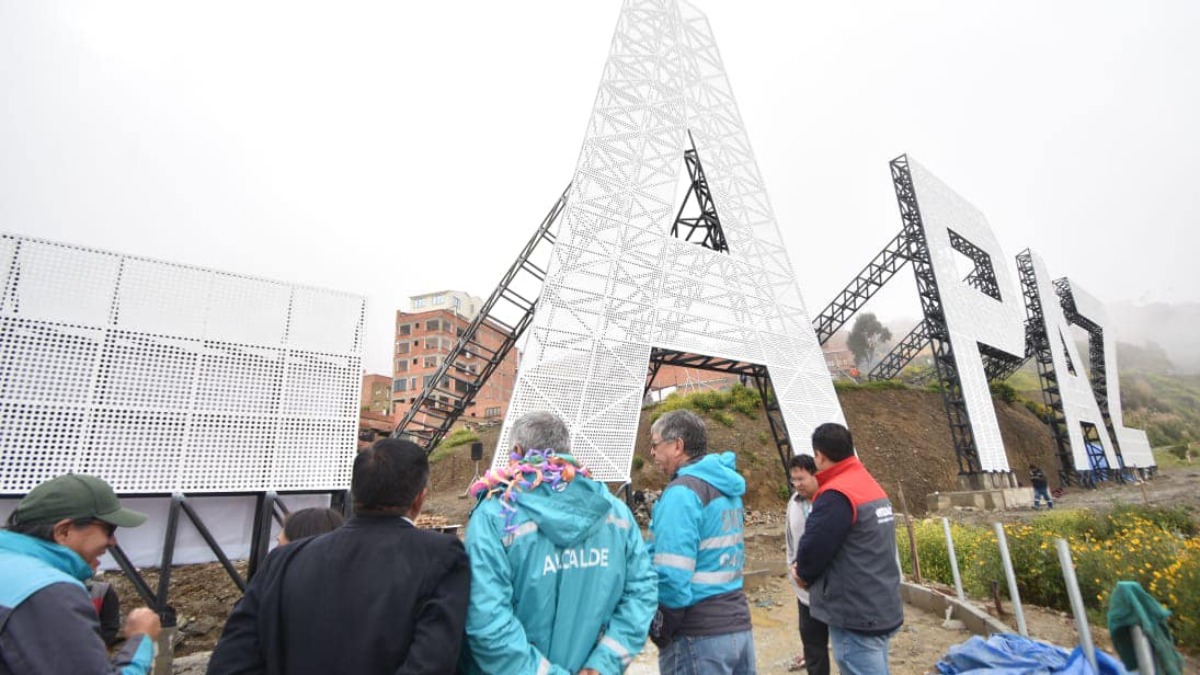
{"x":424,"y":337}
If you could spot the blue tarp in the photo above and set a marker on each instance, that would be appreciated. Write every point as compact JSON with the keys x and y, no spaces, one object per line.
{"x":1009,"y":654}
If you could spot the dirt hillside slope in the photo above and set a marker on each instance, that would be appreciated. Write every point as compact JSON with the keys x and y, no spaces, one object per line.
{"x":900,"y":435}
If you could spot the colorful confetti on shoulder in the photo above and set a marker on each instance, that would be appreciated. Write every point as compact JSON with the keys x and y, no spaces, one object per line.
{"x":525,"y":473}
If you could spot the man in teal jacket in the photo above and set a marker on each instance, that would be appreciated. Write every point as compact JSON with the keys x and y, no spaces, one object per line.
{"x":560,"y":579}
{"x":703,"y":619}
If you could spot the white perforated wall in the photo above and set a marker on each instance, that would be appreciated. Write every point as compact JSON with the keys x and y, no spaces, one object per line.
{"x":1135,"y":447}
{"x":1078,"y":400}
{"x":971,"y":315}
{"x":620,"y":284}
{"x":161,"y":377}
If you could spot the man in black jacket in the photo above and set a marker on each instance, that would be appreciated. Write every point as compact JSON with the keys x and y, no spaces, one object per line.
{"x":374,"y":596}
{"x":847,"y":556}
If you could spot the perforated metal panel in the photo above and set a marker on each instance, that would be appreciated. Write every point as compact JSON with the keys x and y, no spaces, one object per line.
{"x":1078,"y":401}
{"x":162,"y":377}
{"x":972,"y":315}
{"x":1135,"y":447}
{"x":619,"y":284}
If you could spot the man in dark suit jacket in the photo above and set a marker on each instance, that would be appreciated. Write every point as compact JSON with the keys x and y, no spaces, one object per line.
{"x":374,"y":596}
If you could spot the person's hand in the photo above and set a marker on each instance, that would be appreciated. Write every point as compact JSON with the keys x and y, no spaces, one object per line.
{"x":143,"y":621}
{"x":796,"y":576}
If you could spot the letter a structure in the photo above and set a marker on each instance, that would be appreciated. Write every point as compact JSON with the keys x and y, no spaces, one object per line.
{"x":619,"y":284}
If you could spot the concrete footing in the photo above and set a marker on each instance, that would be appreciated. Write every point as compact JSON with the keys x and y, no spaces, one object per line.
{"x":976,"y":620}
{"x":998,"y":499}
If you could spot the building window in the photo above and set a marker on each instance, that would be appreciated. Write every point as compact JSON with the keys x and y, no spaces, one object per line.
{"x":439,"y":299}
{"x":492,"y":412}
{"x":402,"y":366}
{"x":398,"y":385}
{"x":412,"y":383}
{"x":456,"y":302}
{"x":404,"y":329}
{"x":418,"y":303}
{"x":426,"y":381}
{"x":402,"y":347}
{"x":431,"y":362}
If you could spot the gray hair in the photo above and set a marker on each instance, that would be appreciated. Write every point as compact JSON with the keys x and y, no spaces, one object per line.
{"x":541,"y":430}
{"x":683,"y":424}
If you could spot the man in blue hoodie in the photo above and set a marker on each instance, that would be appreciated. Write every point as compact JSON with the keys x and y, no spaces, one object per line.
{"x":561,"y":581}
{"x":53,"y":542}
{"x":703,"y":619}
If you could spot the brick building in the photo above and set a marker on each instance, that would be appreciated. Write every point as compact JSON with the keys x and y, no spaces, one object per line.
{"x":424,"y":338}
{"x":377,"y":394}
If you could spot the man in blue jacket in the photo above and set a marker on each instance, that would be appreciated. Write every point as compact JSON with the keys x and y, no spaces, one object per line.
{"x":52,"y":544}
{"x":703,"y":619}
{"x":561,"y":580}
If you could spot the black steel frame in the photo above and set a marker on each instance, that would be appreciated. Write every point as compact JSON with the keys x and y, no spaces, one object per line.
{"x":1039,"y":343}
{"x":758,"y":372}
{"x":430,"y":417}
{"x":707,"y":222}
{"x":868,"y":281}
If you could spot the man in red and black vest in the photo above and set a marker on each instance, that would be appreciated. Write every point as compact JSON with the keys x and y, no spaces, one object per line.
{"x":847,"y":557}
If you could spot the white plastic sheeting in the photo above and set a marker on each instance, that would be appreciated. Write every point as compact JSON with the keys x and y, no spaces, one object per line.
{"x":972,"y":316}
{"x":1135,"y":447}
{"x":1078,"y":400}
{"x":166,"y":378}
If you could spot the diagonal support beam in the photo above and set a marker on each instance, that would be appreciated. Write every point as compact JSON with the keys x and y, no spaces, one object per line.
{"x":868,"y":282}
{"x":456,"y":382}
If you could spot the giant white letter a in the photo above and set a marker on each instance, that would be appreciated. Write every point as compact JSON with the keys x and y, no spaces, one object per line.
{"x":619,"y":284}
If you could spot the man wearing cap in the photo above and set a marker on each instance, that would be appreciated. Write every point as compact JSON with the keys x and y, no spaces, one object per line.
{"x":51,"y":545}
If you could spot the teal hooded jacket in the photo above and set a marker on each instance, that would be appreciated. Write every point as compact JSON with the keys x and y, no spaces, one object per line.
{"x":570,"y":586}
{"x":697,"y":527}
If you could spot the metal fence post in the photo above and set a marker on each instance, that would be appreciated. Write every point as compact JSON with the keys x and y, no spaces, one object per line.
{"x":1013,"y":593}
{"x":1081,"y":621}
{"x":953,"y":560}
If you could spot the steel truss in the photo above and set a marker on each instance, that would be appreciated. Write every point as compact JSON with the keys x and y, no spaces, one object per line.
{"x":969,"y":469}
{"x":1097,"y":372}
{"x":456,"y":382}
{"x":430,"y":417}
{"x":872,"y":277}
{"x":997,"y":364}
{"x":715,"y":239}
{"x":911,"y":246}
{"x":1039,"y":342}
{"x":758,"y":372}
{"x":708,"y":222}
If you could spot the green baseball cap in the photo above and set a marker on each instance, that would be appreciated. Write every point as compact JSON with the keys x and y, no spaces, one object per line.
{"x":75,"y":496}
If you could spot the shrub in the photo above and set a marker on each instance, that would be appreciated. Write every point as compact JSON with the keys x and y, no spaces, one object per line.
{"x":1003,"y":391}
{"x":721,"y":417}
{"x":638,"y":463}
{"x":1156,"y":547}
{"x":458,"y":437}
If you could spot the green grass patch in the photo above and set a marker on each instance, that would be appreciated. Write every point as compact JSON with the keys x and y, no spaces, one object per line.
{"x":452,"y":440}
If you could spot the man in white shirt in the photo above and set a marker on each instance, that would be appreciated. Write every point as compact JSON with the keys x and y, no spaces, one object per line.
{"x":802,"y":471}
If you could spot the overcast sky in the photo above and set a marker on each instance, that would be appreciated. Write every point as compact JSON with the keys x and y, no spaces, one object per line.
{"x":396,"y":148}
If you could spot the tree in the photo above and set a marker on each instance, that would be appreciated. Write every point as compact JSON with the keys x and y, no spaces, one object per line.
{"x":865,"y":338}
